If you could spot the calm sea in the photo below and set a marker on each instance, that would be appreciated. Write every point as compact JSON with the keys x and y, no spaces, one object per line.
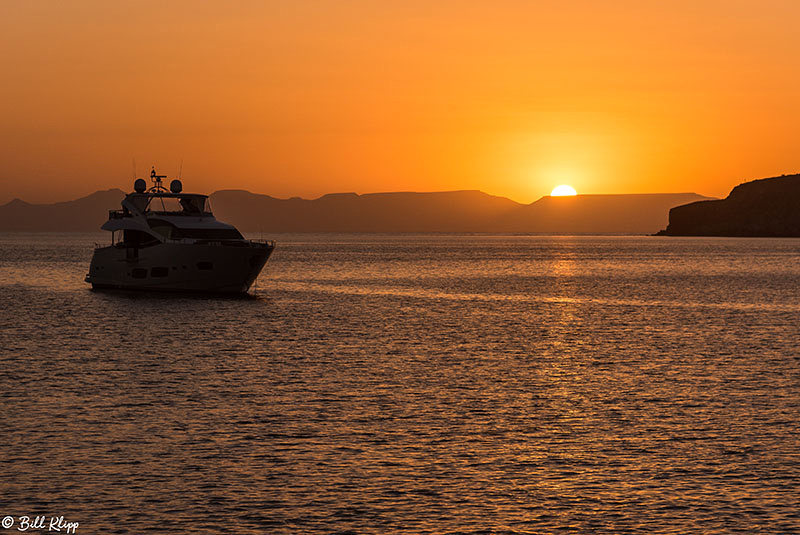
{"x":420,"y":384}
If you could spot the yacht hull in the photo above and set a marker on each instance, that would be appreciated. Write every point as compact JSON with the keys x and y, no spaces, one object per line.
{"x":213,"y":268}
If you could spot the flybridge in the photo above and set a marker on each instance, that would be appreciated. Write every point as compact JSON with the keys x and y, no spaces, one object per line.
{"x":182,"y":204}
{"x":158,"y":200}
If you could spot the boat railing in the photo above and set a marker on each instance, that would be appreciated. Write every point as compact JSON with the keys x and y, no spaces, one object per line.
{"x":179,"y":213}
{"x":240,"y":243}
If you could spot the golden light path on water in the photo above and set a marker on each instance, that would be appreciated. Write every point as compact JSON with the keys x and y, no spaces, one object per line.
{"x":434,"y":294}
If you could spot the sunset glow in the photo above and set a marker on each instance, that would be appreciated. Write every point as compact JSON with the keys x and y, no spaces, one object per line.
{"x":563,"y":191}
{"x":306,"y":98}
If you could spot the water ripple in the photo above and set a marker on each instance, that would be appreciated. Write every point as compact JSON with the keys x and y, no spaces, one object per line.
{"x":423,"y":384}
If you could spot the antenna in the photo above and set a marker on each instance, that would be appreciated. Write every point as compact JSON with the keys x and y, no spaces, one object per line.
{"x":180,"y":169}
{"x":134,"y":168}
{"x":157,"y":184}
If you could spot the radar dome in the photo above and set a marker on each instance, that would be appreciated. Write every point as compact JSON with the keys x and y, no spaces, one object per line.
{"x":175,"y":186}
{"x":140,"y":185}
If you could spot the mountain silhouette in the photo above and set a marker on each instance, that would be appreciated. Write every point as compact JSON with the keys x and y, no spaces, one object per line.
{"x":449,"y":211}
{"x":86,"y":213}
{"x":769,"y":207}
{"x":452,"y":211}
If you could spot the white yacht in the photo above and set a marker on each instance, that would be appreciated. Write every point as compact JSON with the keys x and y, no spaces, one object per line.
{"x":168,"y":240}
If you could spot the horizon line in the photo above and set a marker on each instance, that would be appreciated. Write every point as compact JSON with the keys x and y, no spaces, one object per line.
{"x":335,"y":193}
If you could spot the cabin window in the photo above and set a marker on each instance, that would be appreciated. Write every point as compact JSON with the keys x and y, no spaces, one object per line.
{"x":159,"y":272}
{"x":139,"y":201}
{"x":165,"y":228}
{"x":170,"y":231}
{"x":137,"y":238}
{"x":169,"y":204}
{"x":208,"y":233}
{"x":164,"y":205}
{"x":205,"y":265}
{"x":139,"y":273}
{"x":193,"y":205}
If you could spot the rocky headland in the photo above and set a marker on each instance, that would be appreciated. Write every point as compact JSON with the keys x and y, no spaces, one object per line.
{"x":768,"y":207}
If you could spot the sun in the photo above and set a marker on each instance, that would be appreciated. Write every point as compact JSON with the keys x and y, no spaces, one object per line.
{"x":563,"y":191}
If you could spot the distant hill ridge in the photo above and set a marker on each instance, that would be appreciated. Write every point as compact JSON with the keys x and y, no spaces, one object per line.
{"x":447,"y":211}
{"x":86,"y":213}
{"x":768,"y":207}
{"x":451,"y":211}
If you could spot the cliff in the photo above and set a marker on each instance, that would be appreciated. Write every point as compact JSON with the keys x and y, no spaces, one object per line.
{"x":769,"y":207}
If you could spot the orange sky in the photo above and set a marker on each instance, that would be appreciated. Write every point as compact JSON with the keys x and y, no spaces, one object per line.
{"x":310,"y":97}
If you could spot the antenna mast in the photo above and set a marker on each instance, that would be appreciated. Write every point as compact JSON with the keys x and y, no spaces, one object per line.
{"x":158,"y":185}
